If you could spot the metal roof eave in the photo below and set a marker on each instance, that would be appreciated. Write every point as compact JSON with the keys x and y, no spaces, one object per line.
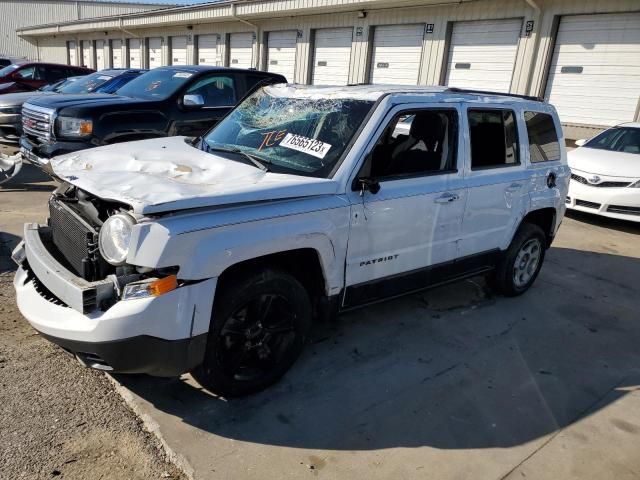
{"x":222,"y":11}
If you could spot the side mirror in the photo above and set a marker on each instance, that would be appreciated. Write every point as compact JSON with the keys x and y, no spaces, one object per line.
{"x":366,"y":184}
{"x":581,"y":142}
{"x":193,"y":101}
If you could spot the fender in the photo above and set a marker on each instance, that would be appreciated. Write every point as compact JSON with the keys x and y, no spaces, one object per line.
{"x":215,"y":249}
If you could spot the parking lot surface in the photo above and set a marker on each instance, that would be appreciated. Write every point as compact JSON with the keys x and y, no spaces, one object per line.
{"x":448,"y":384}
{"x":452,"y":383}
{"x":58,"y":419}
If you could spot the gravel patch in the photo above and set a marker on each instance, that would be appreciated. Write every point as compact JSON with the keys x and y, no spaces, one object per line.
{"x":62,"y":420}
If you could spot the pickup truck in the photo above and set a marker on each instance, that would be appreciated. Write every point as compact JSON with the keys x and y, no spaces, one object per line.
{"x":216,"y":255}
{"x":105,"y":81}
{"x":166,"y":101}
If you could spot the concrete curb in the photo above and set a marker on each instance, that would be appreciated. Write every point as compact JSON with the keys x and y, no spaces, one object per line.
{"x":152,"y":426}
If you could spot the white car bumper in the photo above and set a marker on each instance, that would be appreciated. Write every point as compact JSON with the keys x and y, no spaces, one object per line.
{"x":618,"y":202}
{"x":163,"y":335}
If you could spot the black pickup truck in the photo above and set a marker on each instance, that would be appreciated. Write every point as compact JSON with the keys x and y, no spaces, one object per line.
{"x":166,"y":101}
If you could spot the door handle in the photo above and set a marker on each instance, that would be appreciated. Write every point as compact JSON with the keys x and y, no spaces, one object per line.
{"x":514,"y":187}
{"x":447,"y":198}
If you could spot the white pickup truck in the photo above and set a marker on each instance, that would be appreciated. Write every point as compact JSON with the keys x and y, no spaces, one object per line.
{"x":215,"y":255}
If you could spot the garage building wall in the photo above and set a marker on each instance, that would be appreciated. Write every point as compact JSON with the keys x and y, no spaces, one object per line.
{"x":22,"y":13}
{"x":531,"y":56}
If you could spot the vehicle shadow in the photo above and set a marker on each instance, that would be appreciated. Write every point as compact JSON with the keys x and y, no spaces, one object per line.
{"x":30,"y":178}
{"x":605,"y":222}
{"x":453,"y":368}
{"x":8,"y":242}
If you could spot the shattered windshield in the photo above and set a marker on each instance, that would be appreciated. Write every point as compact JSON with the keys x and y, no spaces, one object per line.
{"x":290,"y":134}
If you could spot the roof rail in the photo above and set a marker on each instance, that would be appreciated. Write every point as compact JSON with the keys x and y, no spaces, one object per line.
{"x":485,"y":92}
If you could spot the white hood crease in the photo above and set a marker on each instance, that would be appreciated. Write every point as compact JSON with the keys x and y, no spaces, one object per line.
{"x":167,"y":174}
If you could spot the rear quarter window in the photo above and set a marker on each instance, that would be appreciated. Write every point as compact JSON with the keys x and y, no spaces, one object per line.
{"x":543,"y":137}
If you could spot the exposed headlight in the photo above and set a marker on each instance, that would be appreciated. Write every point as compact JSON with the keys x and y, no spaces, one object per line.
{"x":74,"y":127}
{"x":114,"y":239}
{"x":11,"y":110}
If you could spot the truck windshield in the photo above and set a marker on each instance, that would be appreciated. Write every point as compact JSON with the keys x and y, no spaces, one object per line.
{"x":86,"y":84}
{"x":304,"y":135}
{"x":158,"y":84}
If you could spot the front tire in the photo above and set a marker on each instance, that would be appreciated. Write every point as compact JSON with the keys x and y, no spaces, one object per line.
{"x":259,"y":326}
{"x":522,"y":261}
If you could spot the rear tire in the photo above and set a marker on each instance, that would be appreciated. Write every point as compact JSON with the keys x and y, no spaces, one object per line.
{"x":521,"y":263}
{"x":259,"y":326}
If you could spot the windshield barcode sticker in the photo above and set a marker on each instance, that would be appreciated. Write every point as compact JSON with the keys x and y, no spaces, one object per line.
{"x":306,"y":145}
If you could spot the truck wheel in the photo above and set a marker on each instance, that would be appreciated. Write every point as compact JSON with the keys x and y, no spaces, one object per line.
{"x":259,"y":327}
{"x":522,"y":261}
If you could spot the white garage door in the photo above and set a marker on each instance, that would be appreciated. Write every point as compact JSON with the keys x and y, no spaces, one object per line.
{"x":482,"y":54}
{"x":178,"y":50}
{"x":208,"y":50}
{"x":397,"y":51}
{"x":594,"y":77}
{"x":86,"y":53}
{"x":241,"y":50}
{"x":135,"y":54}
{"x":100,"y":55}
{"x":281,"y":53}
{"x":116,"y":54}
{"x":154,"y":46}
{"x":331,"y":57}
{"x":71,"y":50}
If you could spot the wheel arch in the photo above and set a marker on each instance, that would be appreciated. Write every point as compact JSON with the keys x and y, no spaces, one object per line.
{"x":545,"y":218}
{"x":304,"y":264}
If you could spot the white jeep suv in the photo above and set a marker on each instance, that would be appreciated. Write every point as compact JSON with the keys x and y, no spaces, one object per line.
{"x":215,"y":255}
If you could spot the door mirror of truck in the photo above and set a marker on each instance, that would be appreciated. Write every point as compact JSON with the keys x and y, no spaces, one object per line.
{"x":581,"y":142}
{"x":193,"y":101}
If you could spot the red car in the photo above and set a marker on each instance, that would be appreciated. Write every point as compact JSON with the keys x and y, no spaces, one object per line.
{"x":29,"y":76}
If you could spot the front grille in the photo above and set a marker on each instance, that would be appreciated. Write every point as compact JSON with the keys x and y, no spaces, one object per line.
{"x":584,"y":203}
{"x":584,"y":181}
{"x":42,"y":290}
{"x":77,"y":241}
{"x":37,"y":122}
{"x":624,"y":210}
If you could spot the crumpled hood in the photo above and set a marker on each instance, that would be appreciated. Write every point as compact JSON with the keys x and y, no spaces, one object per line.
{"x":605,"y":162}
{"x":167,"y":174}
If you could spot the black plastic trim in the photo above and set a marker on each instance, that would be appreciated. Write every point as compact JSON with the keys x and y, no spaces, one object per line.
{"x":140,"y":354}
{"x":420,"y":279}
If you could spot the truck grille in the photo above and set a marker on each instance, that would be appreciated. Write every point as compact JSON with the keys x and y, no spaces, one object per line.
{"x":77,"y":242}
{"x":37,"y":122}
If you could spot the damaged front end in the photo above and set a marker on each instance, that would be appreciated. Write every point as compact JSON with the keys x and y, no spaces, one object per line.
{"x":66,"y":256}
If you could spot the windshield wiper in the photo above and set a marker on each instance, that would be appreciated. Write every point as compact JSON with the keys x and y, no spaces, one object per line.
{"x":258,"y":162}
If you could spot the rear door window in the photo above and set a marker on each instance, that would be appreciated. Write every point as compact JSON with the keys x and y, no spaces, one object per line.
{"x":494,"y":138}
{"x":543,"y":137}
